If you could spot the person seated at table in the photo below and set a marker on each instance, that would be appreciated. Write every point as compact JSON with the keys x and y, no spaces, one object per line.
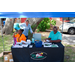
{"x":19,"y":36}
{"x":55,"y":36}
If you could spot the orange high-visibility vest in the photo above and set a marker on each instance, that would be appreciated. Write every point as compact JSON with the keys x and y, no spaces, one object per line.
{"x":20,"y":38}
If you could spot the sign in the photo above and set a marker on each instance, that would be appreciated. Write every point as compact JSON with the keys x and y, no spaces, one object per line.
{"x":22,"y":25}
{"x":38,"y":55}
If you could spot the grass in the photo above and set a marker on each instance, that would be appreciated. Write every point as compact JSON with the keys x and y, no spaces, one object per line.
{"x":70,"y":52}
{"x":43,"y":38}
{"x":8,"y":41}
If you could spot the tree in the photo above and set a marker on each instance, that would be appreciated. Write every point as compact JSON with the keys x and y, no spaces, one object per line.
{"x":34,"y":21}
{"x":44,"y":24}
{"x":8,"y":28}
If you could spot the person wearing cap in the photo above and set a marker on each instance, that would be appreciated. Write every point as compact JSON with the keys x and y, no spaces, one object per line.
{"x":55,"y":36}
{"x":19,"y":36}
{"x":27,"y":28}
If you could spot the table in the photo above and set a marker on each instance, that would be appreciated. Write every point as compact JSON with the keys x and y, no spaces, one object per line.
{"x":42,"y":54}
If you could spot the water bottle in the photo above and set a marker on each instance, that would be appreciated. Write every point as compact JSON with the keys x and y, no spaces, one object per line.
{"x":33,"y":40}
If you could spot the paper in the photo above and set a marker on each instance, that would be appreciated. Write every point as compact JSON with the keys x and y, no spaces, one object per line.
{"x":28,"y":42}
{"x":18,"y":43}
{"x":24,"y":45}
{"x":6,"y":58}
{"x":24,"y":42}
{"x":54,"y":45}
{"x":42,"y":43}
{"x":18,"y":46}
{"x":11,"y":60}
{"x":30,"y":46}
{"x":46,"y":43}
{"x":50,"y":45}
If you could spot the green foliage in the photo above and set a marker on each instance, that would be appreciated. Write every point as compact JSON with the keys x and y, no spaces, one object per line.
{"x":44,"y":24}
{"x":33,"y":26}
{"x":38,"y":30}
{"x":29,"y":33}
{"x":53,"y":22}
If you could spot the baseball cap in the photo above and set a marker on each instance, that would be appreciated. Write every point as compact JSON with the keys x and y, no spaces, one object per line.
{"x":16,"y":26}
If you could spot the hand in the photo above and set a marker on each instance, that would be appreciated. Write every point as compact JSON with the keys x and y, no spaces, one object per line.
{"x":23,"y":43}
{"x":51,"y":41}
{"x":33,"y":32}
{"x":46,"y":39}
{"x":15,"y":32}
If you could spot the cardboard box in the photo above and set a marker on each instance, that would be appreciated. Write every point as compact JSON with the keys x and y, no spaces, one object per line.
{"x":10,"y":57}
{"x":6,"y":52}
{"x":7,"y":56}
{"x":10,"y":60}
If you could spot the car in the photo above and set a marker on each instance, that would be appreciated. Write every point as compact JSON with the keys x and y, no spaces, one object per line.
{"x":68,"y":27}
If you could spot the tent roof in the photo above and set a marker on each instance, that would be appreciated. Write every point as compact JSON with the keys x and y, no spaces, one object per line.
{"x":35,"y":14}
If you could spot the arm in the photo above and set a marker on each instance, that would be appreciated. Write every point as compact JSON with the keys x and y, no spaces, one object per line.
{"x":49,"y":37}
{"x":14,"y":34}
{"x":30,"y":29}
{"x":56,"y":41}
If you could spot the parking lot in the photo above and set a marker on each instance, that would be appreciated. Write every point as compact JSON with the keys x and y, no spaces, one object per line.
{"x":68,"y":39}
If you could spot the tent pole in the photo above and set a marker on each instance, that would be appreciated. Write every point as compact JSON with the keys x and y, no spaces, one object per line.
{"x":2,"y":37}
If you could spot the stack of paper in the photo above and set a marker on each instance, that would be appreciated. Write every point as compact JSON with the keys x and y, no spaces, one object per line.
{"x":43,"y":43}
{"x":47,"y":44}
{"x":54,"y":45}
{"x":20,"y":46}
{"x":18,"y":43}
{"x":17,"y":46}
{"x":50,"y":45}
{"x":24,"y":45}
{"x":30,"y":46}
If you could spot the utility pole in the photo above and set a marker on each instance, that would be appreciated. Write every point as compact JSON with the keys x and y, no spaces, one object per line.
{"x":62,"y":25}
